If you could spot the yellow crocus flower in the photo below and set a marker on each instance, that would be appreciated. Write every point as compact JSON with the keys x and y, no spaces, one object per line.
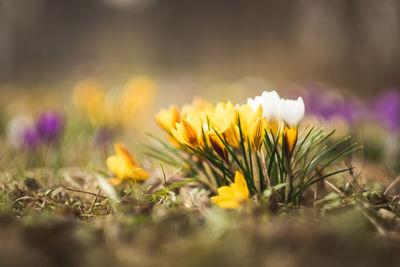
{"x":252,"y":125}
{"x":223,"y":117}
{"x":230,"y":197}
{"x":224,"y":121}
{"x":290,"y":135}
{"x":189,"y":131}
{"x":217,"y":145}
{"x":124,"y":166}
{"x":167,"y":118}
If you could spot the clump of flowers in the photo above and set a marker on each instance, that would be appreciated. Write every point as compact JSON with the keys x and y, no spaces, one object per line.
{"x":23,"y":132}
{"x":261,"y":141}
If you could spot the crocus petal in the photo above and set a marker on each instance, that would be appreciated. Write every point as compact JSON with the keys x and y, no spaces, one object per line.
{"x":122,"y":165}
{"x":225,"y":191}
{"x":239,"y":193}
{"x":119,"y":166}
{"x":167,"y":118}
{"x":228,"y":204}
{"x":123,"y":152}
{"x":115,"y":181}
{"x":138,"y":173}
{"x":230,"y":197}
{"x":290,"y":136}
{"x":291,"y":111}
{"x":239,"y":180}
{"x":269,"y":102}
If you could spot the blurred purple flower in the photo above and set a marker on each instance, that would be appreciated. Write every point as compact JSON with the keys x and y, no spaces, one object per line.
{"x":50,"y":126}
{"x":386,"y":108}
{"x":328,"y":107}
{"x":103,"y":137}
{"x":22,"y":132}
{"x":30,"y":138}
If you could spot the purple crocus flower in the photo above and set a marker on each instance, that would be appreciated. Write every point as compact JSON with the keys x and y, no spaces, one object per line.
{"x":30,"y":137}
{"x":386,"y":109}
{"x":22,"y":132}
{"x":50,"y":125}
{"x":327,"y":106}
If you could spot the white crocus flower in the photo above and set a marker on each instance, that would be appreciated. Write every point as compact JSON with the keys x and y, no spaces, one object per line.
{"x":291,"y":111}
{"x":269,"y":102}
{"x":278,"y":112}
{"x":254,"y":103}
{"x":275,"y":108}
{"x":16,"y":128}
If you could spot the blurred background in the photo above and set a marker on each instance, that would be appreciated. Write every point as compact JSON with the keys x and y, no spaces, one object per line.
{"x":351,"y":44}
{"x":78,"y":75}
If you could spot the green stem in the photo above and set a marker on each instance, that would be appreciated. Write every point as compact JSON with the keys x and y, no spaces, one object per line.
{"x":288,"y":179}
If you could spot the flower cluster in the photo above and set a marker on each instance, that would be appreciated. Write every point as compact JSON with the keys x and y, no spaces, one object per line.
{"x":259,"y":141}
{"x":201,"y":124}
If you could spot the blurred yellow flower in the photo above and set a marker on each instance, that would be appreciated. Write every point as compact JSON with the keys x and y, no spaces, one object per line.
{"x":114,"y":108}
{"x":90,"y":98}
{"x":137,"y":95}
{"x":124,"y":166}
{"x":167,"y":118}
{"x":230,"y":197}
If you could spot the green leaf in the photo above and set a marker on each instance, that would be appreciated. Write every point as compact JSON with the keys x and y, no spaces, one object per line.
{"x":311,"y":182}
{"x":268,"y":192}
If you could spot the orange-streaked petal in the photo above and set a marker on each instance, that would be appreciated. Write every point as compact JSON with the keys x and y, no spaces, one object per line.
{"x":123,"y":152}
{"x":138,"y":174}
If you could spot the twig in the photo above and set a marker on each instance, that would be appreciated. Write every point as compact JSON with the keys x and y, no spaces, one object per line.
{"x":395,"y":181}
{"x":94,"y":201}
{"x":23,"y":198}
{"x":333,"y":187}
{"x":84,"y":192}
